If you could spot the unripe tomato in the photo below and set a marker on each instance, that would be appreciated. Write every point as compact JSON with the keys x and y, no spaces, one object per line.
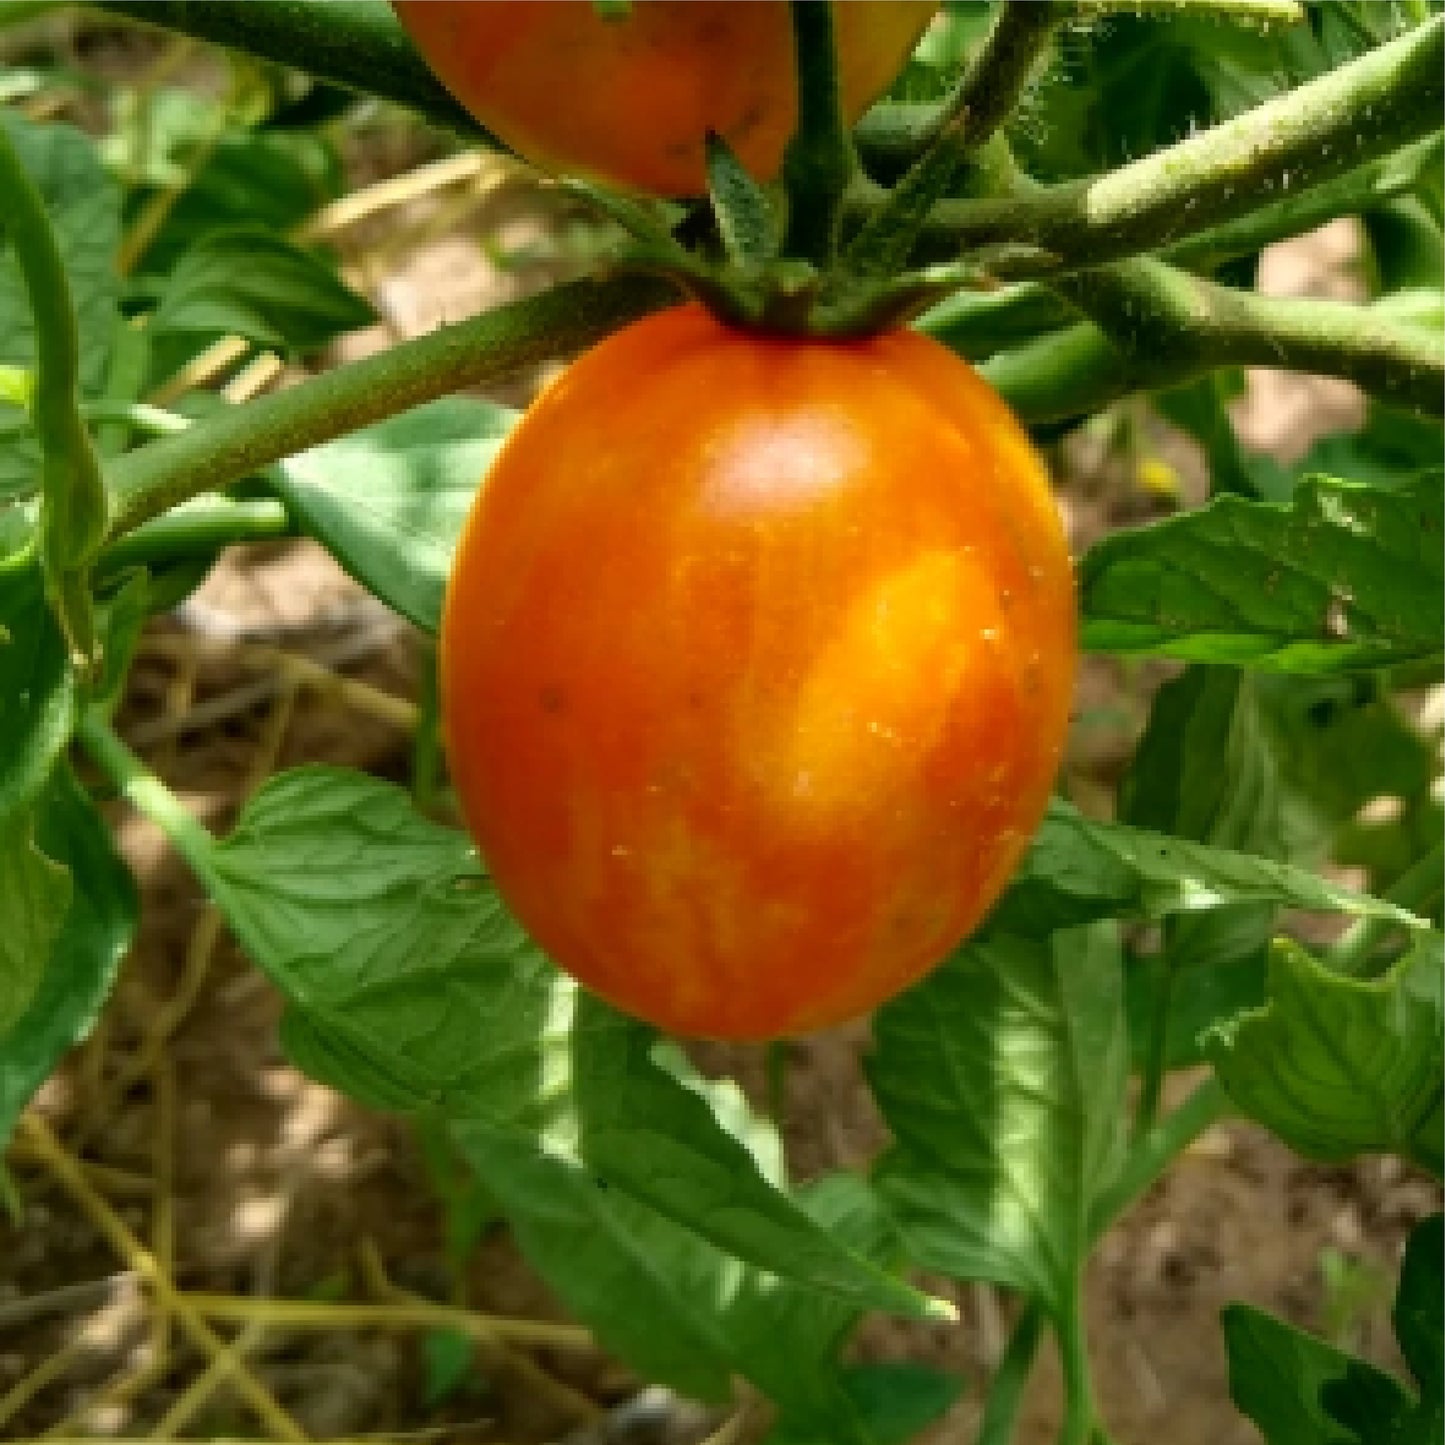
{"x":756,"y":662}
{"x":631,"y":99}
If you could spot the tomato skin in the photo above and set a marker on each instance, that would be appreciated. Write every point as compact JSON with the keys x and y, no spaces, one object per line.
{"x":630,"y":100}
{"x":757,"y":659}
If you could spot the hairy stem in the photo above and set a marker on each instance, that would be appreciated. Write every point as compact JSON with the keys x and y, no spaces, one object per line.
{"x":1156,"y":315}
{"x":966,"y":122}
{"x":998,"y":73}
{"x":1153,"y":326}
{"x":1387,"y":98}
{"x":212,"y":454}
{"x":1360,"y":189}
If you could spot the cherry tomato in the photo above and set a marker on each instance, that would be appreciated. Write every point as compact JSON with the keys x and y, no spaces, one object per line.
{"x":757,"y":660}
{"x":630,"y":99}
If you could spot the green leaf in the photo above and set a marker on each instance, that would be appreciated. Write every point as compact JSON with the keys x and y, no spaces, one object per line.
{"x":1078,"y":870}
{"x":94,"y":931}
{"x":1300,"y":1391}
{"x":1205,"y":769}
{"x":1390,"y":447}
{"x":679,"y":1310}
{"x":37,"y":698}
{"x":1345,"y":576}
{"x":1219,"y":972}
{"x":894,"y":1401}
{"x":744,"y":214}
{"x":1341,"y":746}
{"x":84,"y":206}
{"x":412,"y":987}
{"x":251,"y":282}
{"x":1131,"y":84}
{"x":389,"y":501}
{"x":270,"y":179}
{"x":1342,"y":1066}
{"x":1002,"y":1078}
{"x":34,"y":894}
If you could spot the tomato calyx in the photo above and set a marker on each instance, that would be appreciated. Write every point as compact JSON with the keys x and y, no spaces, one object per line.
{"x":746,"y":272}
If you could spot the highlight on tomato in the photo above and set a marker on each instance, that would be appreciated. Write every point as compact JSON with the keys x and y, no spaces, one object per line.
{"x":629,"y":99}
{"x":757,"y":660}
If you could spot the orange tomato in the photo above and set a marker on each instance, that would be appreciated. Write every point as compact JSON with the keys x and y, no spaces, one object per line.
{"x":630,"y":100}
{"x":757,"y":660}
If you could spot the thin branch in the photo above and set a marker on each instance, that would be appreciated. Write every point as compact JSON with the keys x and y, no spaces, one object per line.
{"x":961,"y":126}
{"x":138,"y":1259}
{"x":1153,"y":1153}
{"x":1385,"y":99}
{"x":201,"y":528}
{"x":999,"y":71}
{"x":212,"y":454}
{"x":1006,"y":1389}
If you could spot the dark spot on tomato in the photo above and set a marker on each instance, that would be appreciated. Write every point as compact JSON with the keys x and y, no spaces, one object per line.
{"x":553,"y":699}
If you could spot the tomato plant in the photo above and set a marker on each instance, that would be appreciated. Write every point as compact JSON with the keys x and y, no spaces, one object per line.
{"x":755,"y":687}
{"x":645,"y":87}
{"x":756,"y":666}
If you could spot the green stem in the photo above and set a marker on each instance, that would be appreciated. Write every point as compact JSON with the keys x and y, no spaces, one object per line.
{"x":979,"y":324}
{"x":202,"y":527}
{"x":1151,"y":1083}
{"x":1078,"y":1425}
{"x":1245,"y":12}
{"x":1162,"y":327}
{"x":1417,"y":889}
{"x":426,"y":748}
{"x":1367,"y":186}
{"x":73,"y":500}
{"x":1383,"y":100}
{"x":355,"y":44}
{"x":1159,"y":316}
{"x":819,"y":162}
{"x":140,"y":787}
{"x":1153,"y":1152}
{"x":212,"y":454}
{"x":1006,"y":1389}
{"x":1001,"y":68}
{"x":982,"y":101}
